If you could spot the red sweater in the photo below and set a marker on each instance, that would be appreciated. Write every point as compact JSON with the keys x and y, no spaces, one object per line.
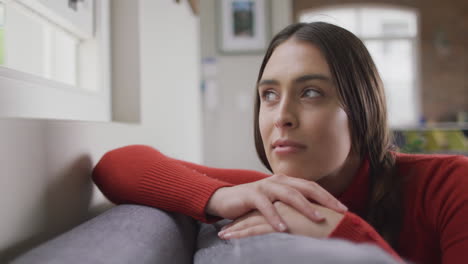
{"x":435,"y":196}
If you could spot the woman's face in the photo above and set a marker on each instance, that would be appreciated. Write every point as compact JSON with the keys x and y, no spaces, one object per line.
{"x":304,"y":129}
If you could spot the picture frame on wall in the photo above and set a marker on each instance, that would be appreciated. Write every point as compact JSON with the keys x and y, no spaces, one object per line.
{"x":243,"y":26}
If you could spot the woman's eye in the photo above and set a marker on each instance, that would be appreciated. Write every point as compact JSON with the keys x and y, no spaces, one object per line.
{"x":311,"y":93}
{"x":269,"y":96}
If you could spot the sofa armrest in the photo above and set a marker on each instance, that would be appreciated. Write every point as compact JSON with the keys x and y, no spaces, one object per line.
{"x":123,"y":234}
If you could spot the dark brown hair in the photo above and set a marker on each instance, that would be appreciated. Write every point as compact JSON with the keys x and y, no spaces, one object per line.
{"x":362,"y":97}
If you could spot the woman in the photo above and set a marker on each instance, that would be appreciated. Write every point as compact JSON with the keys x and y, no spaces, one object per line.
{"x":321,"y":128}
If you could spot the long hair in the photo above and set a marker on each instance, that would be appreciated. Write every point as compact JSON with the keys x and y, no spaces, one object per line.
{"x":361,"y":94}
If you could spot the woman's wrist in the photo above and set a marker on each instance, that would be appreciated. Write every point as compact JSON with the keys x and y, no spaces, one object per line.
{"x":211,"y":206}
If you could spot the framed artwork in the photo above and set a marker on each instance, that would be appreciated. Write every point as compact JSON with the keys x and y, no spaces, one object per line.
{"x":243,"y":26}
{"x":194,"y":4}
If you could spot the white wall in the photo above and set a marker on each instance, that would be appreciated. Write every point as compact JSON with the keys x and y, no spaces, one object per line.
{"x":45,"y":165}
{"x":228,"y":128}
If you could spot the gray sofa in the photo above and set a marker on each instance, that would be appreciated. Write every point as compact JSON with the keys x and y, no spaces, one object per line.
{"x":139,"y":234}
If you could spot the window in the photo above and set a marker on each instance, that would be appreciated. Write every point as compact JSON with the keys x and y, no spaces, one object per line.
{"x":37,"y":46}
{"x":54,"y":59}
{"x":391,"y":36}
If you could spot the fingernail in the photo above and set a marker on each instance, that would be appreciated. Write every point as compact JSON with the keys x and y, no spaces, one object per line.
{"x":342,"y":207}
{"x":227,"y":236}
{"x":282,"y":227}
{"x":220,"y":234}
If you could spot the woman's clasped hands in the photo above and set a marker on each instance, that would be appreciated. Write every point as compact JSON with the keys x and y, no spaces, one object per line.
{"x":278,"y":203}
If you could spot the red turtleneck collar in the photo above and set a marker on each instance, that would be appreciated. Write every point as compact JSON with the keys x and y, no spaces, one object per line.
{"x":355,"y":197}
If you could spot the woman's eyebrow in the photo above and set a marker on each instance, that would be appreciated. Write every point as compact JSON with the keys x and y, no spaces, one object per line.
{"x":308,"y":77}
{"x":268,"y":82}
{"x":301,"y":79}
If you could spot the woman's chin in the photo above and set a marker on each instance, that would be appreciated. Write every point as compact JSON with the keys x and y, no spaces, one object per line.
{"x":292,"y":171}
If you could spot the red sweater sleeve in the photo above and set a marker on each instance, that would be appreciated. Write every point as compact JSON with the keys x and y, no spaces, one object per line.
{"x":233,"y":176}
{"x":356,"y":229}
{"x":142,"y":175}
{"x":446,"y":208}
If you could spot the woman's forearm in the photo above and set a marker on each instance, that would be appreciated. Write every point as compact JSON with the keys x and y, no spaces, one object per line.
{"x":141,"y":174}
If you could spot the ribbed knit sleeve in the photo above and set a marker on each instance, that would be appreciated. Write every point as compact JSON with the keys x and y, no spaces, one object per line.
{"x":234,"y":176}
{"x":356,"y":229}
{"x":142,"y":175}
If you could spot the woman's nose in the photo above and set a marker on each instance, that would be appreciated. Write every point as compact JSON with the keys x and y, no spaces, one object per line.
{"x":286,"y":117}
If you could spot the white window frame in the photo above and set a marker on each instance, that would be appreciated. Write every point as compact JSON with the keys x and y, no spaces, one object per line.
{"x":24,"y":95}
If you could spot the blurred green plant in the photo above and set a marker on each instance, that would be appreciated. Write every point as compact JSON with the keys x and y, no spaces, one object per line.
{"x":433,"y":141}
{"x":2,"y":47}
{"x":414,"y":146}
{"x":2,"y":35}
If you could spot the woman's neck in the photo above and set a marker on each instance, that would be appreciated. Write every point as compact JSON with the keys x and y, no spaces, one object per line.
{"x":336,"y":183}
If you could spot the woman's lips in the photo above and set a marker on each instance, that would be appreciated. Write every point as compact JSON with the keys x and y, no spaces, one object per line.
{"x":284,"y":146}
{"x":287,"y":149}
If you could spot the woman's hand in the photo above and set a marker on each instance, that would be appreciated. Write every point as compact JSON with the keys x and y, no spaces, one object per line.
{"x":234,"y":202}
{"x":254,"y":223}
